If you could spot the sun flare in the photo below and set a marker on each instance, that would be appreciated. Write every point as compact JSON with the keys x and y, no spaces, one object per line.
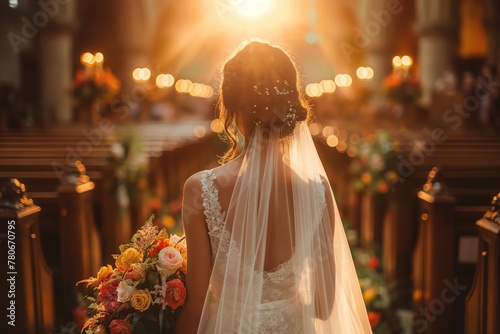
{"x":253,"y":8}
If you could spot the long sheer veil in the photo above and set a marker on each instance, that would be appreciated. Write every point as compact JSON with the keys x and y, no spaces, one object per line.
{"x":284,"y":246}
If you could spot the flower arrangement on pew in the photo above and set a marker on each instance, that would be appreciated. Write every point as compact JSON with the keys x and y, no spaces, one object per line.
{"x":94,"y":83}
{"x":145,"y":290}
{"x":377,"y":294}
{"x":374,"y":168}
{"x":92,"y":86}
{"x":131,"y":169}
{"x":98,"y":86}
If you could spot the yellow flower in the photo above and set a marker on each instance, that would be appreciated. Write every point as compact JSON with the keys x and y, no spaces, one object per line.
{"x":141,"y":300}
{"x":129,"y":256}
{"x":369,"y":294}
{"x":104,"y":272}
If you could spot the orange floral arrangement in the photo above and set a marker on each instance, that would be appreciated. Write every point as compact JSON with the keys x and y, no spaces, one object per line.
{"x":94,"y":86}
{"x":145,"y":290}
{"x":402,"y":89}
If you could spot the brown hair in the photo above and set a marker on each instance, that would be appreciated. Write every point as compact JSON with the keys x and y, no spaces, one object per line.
{"x":261,"y":81}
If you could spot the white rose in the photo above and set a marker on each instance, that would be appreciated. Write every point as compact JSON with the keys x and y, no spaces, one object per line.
{"x":125,"y":291}
{"x":174,"y":238}
{"x":169,"y":260}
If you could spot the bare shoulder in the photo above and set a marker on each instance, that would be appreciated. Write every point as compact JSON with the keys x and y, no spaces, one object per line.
{"x":192,"y":203}
{"x":193,"y":182}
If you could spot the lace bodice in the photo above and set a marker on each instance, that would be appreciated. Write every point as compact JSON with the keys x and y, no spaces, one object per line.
{"x":278,"y":308}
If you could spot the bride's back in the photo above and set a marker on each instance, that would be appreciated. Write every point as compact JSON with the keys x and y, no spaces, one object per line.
{"x":280,"y":233}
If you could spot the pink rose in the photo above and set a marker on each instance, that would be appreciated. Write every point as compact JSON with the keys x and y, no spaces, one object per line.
{"x":169,"y":260}
{"x":119,"y":327}
{"x":176,"y":293}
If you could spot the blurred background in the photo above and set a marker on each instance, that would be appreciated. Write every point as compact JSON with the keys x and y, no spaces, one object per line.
{"x":107,"y":107}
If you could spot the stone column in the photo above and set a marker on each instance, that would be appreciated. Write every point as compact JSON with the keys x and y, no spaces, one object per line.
{"x":375,"y":35}
{"x":11,"y":44}
{"x":492,"y":25}
{"x":133,"y":22}
{"x":56,"y":55}
{"x":436,"y":27}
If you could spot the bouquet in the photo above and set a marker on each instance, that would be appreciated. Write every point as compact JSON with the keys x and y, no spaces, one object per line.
{"x":145,"y":290}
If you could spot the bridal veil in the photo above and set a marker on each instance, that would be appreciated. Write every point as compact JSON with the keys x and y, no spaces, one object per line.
{"x":283,"y":260}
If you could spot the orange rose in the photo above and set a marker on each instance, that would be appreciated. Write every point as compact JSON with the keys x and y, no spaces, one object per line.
{"x":158,"y":244}
{"x":129,"y":256}
{"x":176,"y":293}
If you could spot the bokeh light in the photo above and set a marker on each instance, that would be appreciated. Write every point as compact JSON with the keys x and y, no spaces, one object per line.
{"x":396,"y":61}
{"x":99,"y":57}
{"x":332,"y":140}
{"x":370,"y":73}
{"x":343,"y":80}
{"x":314,"y":90}
{"x":328,"y":86}
{"x":315,"y":129}
{"x":216,"y":126}
{"x":164,"y":80}
{"x":141,"y":74}
{"x":200,"y":131}
{"x":87,"y":58}
{"x":406,"y":61}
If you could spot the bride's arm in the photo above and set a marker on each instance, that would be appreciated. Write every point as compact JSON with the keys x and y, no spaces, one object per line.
{"x":199,"y":266}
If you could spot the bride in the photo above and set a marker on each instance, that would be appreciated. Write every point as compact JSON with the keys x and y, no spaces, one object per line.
{"x":267,"y":250}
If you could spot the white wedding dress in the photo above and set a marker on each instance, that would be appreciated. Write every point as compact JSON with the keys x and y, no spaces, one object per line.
{"x":280,"y":258}
{"x":279,"y":309}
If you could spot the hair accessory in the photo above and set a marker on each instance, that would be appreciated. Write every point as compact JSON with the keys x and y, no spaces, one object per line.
{"x":281,"y":88}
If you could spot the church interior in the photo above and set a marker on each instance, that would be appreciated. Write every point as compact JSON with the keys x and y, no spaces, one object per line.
{"x":107,"y":107}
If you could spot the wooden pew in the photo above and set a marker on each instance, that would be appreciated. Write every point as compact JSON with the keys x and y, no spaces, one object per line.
{"x":174,"y":154}
{"x":472,"y":179}
{"x":79,"y":238}
{"x":70,"y":239}
{"x":443,"y":271}
{"x":483,"y":302}
{"x":32,"y":285}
